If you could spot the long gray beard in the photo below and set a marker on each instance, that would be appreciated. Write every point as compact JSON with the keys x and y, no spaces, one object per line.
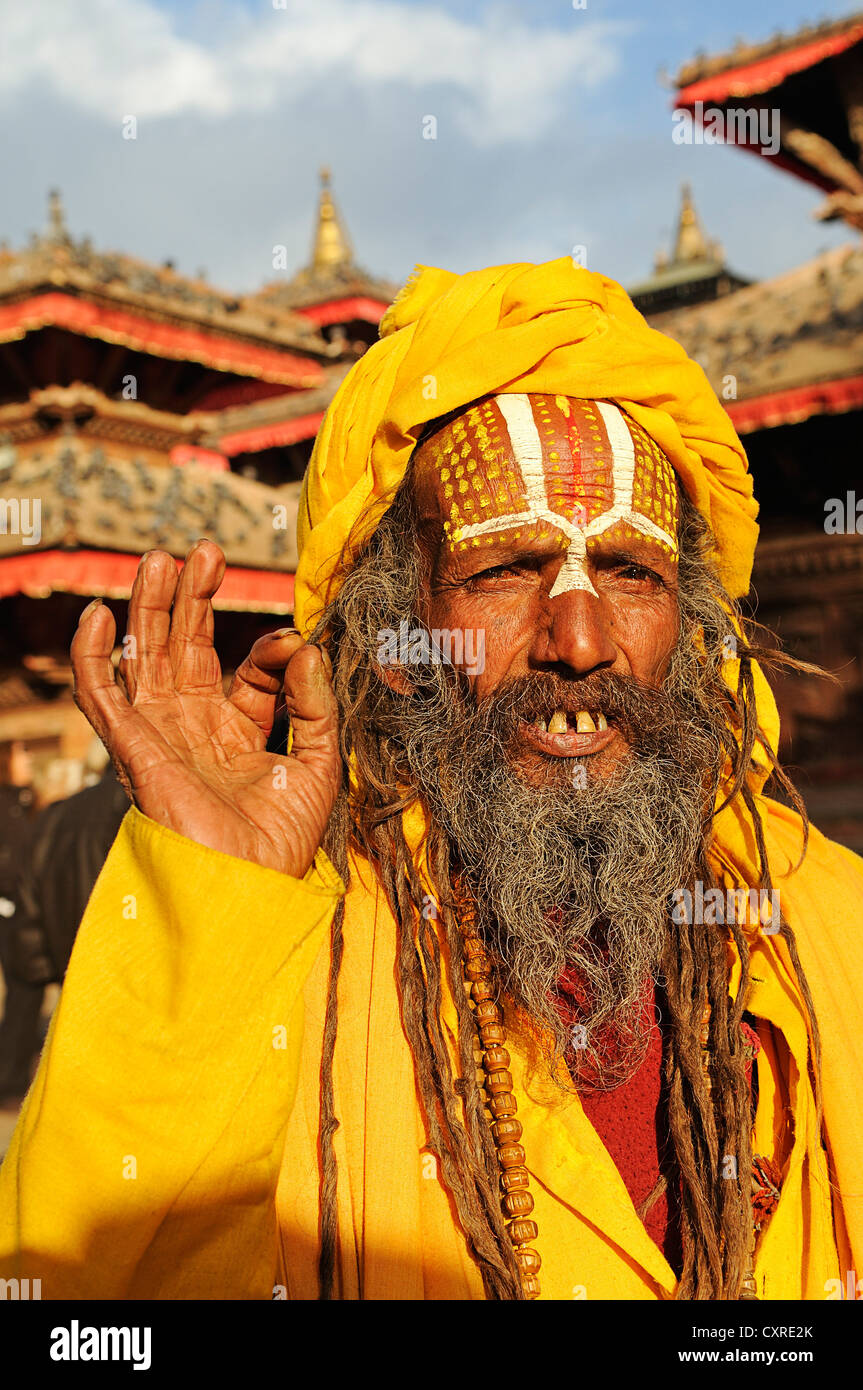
{"x":574,"y":875}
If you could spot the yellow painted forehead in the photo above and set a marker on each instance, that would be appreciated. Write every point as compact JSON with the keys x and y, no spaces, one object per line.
{"x":539,"y":464}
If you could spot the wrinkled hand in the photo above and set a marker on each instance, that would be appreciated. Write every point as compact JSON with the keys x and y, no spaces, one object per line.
{"x":192,"y":758}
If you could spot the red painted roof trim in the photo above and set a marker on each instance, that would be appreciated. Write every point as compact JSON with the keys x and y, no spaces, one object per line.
{"x":183,"y":454}
{"x":797,"y":404}
{"x":161,"y":339}
{"x":345,"y":310}
{"x":279,"y":434}
{"x":109,"y":574}
{"x":767,"y":73}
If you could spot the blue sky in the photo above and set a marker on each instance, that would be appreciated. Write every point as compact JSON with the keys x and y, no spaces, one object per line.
{"x":553,"y":130}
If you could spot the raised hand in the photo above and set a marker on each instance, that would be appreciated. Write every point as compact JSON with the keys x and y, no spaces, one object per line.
{"x":192,"y":758}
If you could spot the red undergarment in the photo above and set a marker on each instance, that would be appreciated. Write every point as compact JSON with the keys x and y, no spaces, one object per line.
{"x":630,"y":1121}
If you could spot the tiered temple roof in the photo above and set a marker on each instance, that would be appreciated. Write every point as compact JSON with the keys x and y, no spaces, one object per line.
{"x":695,"y":272}
{"x":136,"y":402}
{"x":332,"y":288}
{"x":140,"y":407}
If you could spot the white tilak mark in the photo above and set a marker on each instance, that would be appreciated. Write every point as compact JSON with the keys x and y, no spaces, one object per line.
{"x":527,"y":451}
{"x":526,"y":448}
{"x":623,"y":463}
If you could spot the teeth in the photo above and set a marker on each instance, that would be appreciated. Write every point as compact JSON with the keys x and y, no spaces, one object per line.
{"x":584,"y":724}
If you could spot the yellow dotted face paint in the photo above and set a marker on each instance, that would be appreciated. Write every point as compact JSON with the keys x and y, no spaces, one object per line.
{"x":539,"y":466}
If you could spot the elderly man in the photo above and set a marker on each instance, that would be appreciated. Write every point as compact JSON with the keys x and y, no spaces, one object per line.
{"x":505,"y":980}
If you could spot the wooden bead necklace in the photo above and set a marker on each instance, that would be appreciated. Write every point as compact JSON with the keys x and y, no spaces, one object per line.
{"x":495,"y":1083}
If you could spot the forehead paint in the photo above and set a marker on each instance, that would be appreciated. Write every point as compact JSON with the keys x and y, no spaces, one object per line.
{"x":535,"y":464}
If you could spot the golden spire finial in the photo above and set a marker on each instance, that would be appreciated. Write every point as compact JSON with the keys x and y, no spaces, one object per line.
{"x":331,"y":248}
{"x":56,"y":216}
{"x":690,"y":244}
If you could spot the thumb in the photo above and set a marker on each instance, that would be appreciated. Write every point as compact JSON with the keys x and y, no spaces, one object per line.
{"x":312,"y":706}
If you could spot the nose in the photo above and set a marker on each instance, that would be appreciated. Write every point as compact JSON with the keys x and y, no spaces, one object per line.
{"x":577,"y":634}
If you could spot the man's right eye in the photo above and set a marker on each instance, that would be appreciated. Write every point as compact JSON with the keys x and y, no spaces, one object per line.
{"x":495,"y":572}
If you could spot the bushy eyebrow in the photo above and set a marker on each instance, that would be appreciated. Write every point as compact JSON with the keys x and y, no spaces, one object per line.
{"x":503,"y":550}
{"x":506,"y":549}
{"x":641,"y":554}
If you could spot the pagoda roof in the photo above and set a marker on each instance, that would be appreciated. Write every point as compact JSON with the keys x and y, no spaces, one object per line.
{"x":668,"y":276}
{"x":693,"y":256}
{"x":58,"y":281}
{"x":332,"y":279}
{"x":793,"y":345}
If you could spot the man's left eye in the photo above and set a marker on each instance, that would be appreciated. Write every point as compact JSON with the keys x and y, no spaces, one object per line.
{"x":635,"y":571}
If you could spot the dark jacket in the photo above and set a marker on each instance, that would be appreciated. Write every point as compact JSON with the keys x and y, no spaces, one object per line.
{"x":69,"y":845}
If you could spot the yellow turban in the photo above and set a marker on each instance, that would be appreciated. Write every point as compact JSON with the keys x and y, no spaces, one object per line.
{"x":554,"y":328}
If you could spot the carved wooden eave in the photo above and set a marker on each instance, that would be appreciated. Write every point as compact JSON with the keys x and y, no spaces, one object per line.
{"x":814,"y":78}
{"x":156,"y":333}
{"x":89,"y":496}
{"x":792,"y":568}
{"x":85,"y":411}
{"x":279,"y":421}
{"x":744,"y":55}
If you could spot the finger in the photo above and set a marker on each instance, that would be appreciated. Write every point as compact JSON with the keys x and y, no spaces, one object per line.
{"x":146,"y":664}
{"x":193,"y":657}
{"x":312,"y":706}
{"x":134,"y":746}
{"x":95,"y":691}
{"x":258,"y":680}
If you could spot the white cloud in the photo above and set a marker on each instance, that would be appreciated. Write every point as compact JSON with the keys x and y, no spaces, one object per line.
{"x":503,"y":81}
{"x":109,"y":57}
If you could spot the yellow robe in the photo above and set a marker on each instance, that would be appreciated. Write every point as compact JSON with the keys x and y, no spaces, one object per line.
{"x":168,"y":1146}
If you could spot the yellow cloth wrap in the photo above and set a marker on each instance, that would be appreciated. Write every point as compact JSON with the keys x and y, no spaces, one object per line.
{"x":451,"y":339}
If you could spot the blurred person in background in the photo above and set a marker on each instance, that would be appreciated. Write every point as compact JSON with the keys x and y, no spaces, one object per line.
{"x":49,"y":862}
{"x":67,"y":849}
{"x":22,"y":1001}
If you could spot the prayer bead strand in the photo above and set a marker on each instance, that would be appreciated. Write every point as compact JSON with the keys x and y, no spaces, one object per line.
{"x":495,"y":1082}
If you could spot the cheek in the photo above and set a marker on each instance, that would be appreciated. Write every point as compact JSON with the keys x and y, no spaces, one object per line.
{"x":645,"y":631}
{"x":507,"y":628}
